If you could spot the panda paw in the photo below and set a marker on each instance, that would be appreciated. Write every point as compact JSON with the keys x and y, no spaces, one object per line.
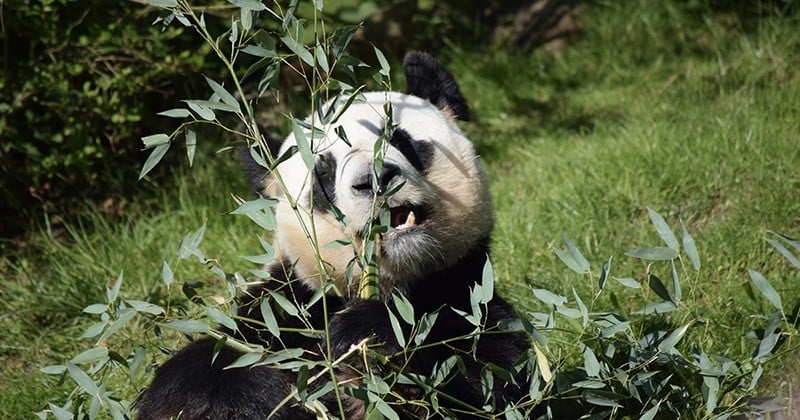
{"x":360,"y":320}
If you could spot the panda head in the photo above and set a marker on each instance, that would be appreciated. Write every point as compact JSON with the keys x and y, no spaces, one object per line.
{"x":431,"y":182}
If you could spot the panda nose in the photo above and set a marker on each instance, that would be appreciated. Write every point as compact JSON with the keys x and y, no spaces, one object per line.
{"x":363,"y":184}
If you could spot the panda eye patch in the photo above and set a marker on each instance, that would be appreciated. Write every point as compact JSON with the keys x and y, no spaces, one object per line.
{"x":418,"y":152}
{"x":324,"y":189}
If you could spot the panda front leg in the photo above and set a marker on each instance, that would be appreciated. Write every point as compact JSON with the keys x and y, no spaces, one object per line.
{"x":188,"y":386}
{"x":362,"y":319}
{"x":369,"y":319}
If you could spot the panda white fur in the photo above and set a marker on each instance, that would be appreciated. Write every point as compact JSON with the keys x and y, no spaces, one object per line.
{"x":441,"y":215}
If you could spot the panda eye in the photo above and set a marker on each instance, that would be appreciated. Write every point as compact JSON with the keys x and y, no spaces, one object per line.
{"x":418,"y":153}
{"x":324,"y":189}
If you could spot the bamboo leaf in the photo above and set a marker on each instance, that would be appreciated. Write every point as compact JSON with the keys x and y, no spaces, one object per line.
{"x":667,"y":345}
{"x":274,"y":357}
{"x":549,"y":298}
{"x":94,"y":330}
{"x":53,"y":370}
{"x":568,"y":260}
{"x":246,"y":19}
{"x":253,"y":5}
{"x":163,"y":3}
{"x":766,"y":289}
{"x":785,"y":252}
{"x":298,"y":49}
{"x":259,"y":211}
{"x":91,"y":355}
{"x":487,"y":281}
{"x":756,"y":376}
{"x":166,"y":274}
{"x":677,"y":294}
{"x":209,"y":106}
{"x":543,"y":364}
{"x":664,"y":230}
{"x":653,"y":254}
{"x":651,"y":413}
{"x":342,"y":108}
{"x":657,"y":308}
{"x":190,"y":244}
{"x":690,"y":248}
{"x":138,"y":361}
{"x":303,"y":145}
{"x":155,"y":156}
{"x":604,"y":274}
{"x":385,"y":409}
{"x":396,"y":329}
{"x":404,"y":308}
{"x":613,"y":329}
{"x":269,"y":317}
{"x":576,"y":254}
{"x":793,"y":242}
{"x":581,"y":307}
{"x":384,"y":64}
{"x":175,"y":113}
{"x":154,"y":140}
{"x":628,"y":282}
{"x":259,"y":51}
{"x":322,"y":58}
{"x":117,"y":325}
{"x":425,"y":326}
{"x":191,"y":145}
{"x":341,"y":38}
{"x":201,"y":110}
{"x":599,"y":400}
{"x":710,"y":390}
{"x":245,"y":360}
{"x":284,"y":303}
{"x":95,"y":309}
{"x":658,"y":287}
{"x":590,"y":362}
{"x":223,"y":94}
{"x":766,"y":346}
{"x":221,"y":318}
{"x":188,"y":326}
{"x":83,"y":380}
{"x":146,"y":307}
{"x":113,"y":293}
{"x":568,"y":312}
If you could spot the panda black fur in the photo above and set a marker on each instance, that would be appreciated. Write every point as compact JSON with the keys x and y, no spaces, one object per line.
{"x":434,"y":257}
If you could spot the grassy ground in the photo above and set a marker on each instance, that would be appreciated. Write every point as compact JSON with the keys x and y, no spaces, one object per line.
{"x":690,"y":112}
{"x":693,"y":115}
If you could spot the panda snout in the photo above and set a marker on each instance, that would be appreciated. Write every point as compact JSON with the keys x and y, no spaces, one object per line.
{"x":363,"y":184}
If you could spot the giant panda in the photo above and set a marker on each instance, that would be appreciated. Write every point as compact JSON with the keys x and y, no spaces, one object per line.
{"x":434,"y":254}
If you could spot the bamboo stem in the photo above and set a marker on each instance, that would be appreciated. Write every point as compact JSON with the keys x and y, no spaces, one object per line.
{"x":368,"y":287}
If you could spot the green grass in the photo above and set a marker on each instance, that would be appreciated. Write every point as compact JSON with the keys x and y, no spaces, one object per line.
{"x":698,"y":121}
{"x":55,"y":273}
{"x":693,"y":113}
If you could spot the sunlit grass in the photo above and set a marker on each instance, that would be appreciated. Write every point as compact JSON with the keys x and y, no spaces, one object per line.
{"x":61,"y":270}
{"x":698,"y":121}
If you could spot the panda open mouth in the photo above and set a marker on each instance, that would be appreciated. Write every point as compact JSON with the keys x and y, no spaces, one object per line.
{"x":406,"y":217}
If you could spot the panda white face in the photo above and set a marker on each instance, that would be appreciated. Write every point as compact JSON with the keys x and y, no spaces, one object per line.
{"x":431,"y":181}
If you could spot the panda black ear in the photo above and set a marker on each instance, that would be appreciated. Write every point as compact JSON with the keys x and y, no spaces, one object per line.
{"x":427,"y":79}
{"x":257,"y":175}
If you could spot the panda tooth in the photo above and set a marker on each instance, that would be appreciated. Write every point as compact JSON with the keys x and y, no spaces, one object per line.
{"x":411,"y":220}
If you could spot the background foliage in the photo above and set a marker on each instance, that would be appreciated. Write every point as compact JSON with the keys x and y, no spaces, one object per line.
{"x":80,"y":81}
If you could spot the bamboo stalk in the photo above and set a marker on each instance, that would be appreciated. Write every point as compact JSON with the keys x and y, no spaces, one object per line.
{"x":368,"y":287}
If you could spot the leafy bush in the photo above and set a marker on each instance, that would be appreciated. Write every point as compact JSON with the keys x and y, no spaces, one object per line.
{"x":77,"y":91}
{"x":637,"y":363}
